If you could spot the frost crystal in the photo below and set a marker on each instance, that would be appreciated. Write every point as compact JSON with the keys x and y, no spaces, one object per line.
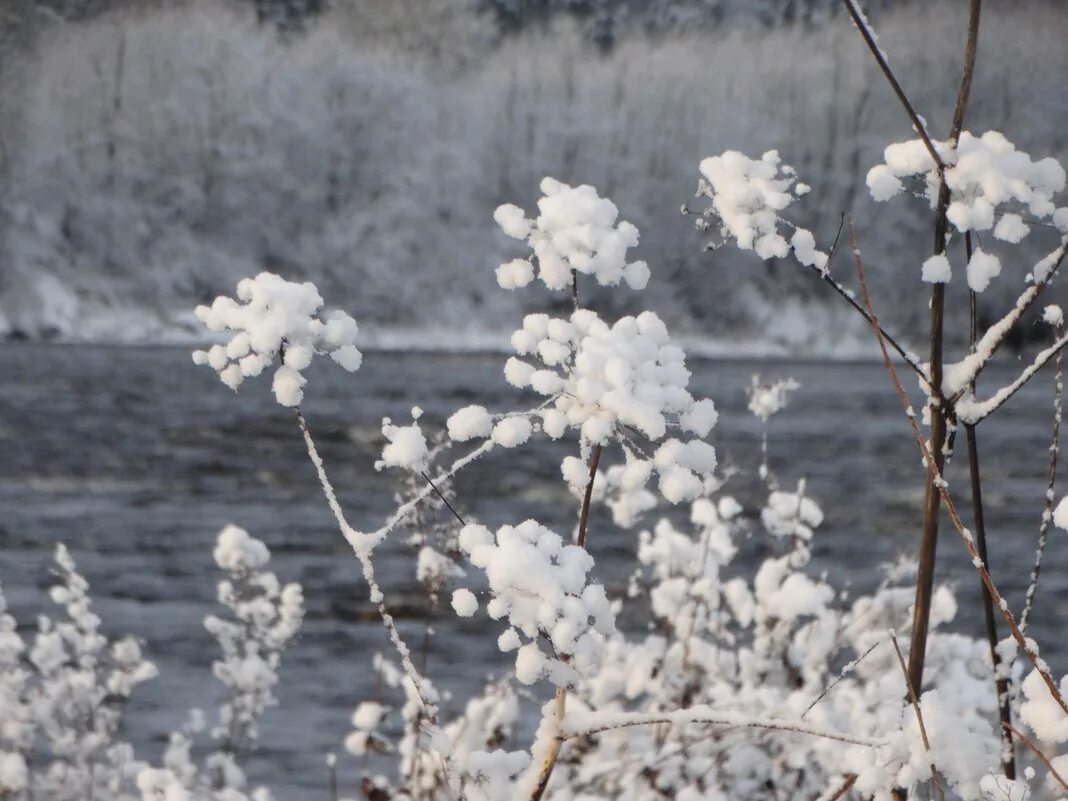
{"x":276,"y":317}
{"x":576,"y":230}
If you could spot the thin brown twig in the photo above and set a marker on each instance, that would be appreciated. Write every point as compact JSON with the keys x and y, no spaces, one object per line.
{"x":915,"y":701}
{"x":850,"y":780}
{"x":1001,"y":679}
{"x":1038,"y":753}
{"x":943,"y":489}
{"x":880,"y":58}
{"x":441,"y":495}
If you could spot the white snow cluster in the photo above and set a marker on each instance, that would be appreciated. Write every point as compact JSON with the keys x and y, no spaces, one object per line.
{"x":747,"y":197}
{"x":406,"y":446}
{"x":264,"y":617}
{"x":274,"y":317}
{"x":990,"y":183}
{"x":791,"y":514}
{"x":575,"y":230}
{"x":617,"y":381}
{"x":540,"y":586}
{"x":767,"y":399}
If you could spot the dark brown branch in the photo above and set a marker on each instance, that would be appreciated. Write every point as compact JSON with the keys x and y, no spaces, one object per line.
{"x":545,"y":771}
{"x":850,"y":780}
{"x":1038,"y":753}
{"x":1001,"y":682}
{"x":862,"y":25}
{"x":943,"y":489}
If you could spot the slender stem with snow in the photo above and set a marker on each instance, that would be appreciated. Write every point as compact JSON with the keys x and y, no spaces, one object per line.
{"x":943,"y":490}
{"x":596,"y":723}
{"x":1047,"y":511}
{"x":915,"y":701}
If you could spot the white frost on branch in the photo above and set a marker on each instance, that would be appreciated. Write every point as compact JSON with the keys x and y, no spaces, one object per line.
{"x":575,"y":230}
{"x":276,"y":317}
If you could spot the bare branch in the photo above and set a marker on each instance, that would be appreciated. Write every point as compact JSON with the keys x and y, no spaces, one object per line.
{"x":598,"y":723}
{"x":1047,"y":511}
{"x":868,"y":35}
{"x":919,"y":717}
{"x":943,"y":490}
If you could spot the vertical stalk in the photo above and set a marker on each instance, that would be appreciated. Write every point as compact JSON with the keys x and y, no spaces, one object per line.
{"x":548,"y":762}
{"x":931,"y":506}
{"x":1001,"y":681}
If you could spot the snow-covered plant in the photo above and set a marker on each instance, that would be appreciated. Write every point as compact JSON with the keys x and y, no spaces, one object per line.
{"x":263,"y":617}
{"x":764,"y":682}
{"x":992,"y":185}
{"x":279,"y":319}
{"x":62,"y":699}
{"x":63,"y":695}
{"x":574,"y":233}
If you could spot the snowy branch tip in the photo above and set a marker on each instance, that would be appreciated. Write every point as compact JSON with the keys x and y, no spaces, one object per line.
{"x":280,"y":318}
{"x":575,"y":230}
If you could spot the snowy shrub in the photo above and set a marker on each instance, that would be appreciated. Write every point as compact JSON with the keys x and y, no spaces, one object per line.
{"x":63,"y":695}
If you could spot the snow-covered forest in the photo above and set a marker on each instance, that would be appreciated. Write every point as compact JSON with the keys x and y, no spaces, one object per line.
{"x":152,"y":154}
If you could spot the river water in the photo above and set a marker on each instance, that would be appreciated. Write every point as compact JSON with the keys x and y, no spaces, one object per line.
{"x":135,"y":459}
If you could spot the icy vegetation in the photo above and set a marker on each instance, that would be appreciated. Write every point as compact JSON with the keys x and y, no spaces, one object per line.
{"x":63,"y":694}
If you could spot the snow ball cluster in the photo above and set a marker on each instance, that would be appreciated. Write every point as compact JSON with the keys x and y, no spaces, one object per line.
{"x":365,"y":720}
{"x":747,"y":196}
{"x":405,"y":445}
{"x":1041,"y":712}
{"x":540,"y":586}
{"x":984,"y":175}
{"x":626,"y":374}
{"x":276,"y":317}
{"x":791,"y":514}
{"x":1053,"y":315}
{"x":936,"y":270}
{"x":766,"y":399}
{"x":575,"y":230}
{"x":625,"y":379}
{"x":236,"y":551}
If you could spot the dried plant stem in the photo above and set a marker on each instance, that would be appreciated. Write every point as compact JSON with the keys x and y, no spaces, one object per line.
{"x":704,"y":714}
{"x":1001,"y":680}
{"x":943,"y":490}
{"x":352,"y":537}
{"x":1034,"y":749}
{"x":915,"y":701}
{"x":844,"y":788}
{"x":1047,"y":511}
{"x":552,"y":753}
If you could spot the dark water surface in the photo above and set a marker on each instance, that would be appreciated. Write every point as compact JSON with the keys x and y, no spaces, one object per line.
{"x":135,"y":459}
